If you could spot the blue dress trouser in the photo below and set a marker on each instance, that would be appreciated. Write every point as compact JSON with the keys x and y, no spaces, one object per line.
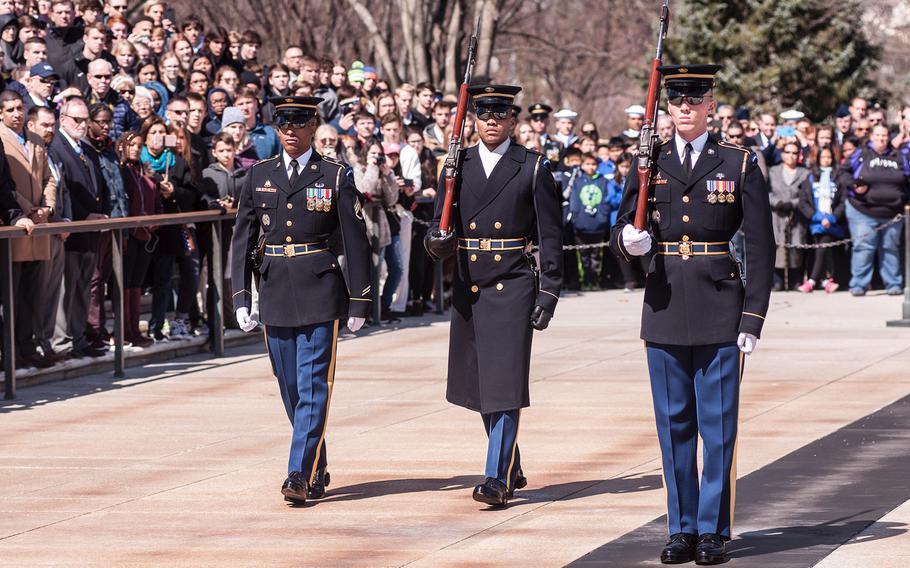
{"x":503,"y":457}
{"x":303,"y":359}
{"x":696,"y":391}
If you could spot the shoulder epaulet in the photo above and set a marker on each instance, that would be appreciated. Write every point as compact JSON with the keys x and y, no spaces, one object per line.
{"x":333,"y":162}
{"x":726,"y":144}
{"x":277,"y":157}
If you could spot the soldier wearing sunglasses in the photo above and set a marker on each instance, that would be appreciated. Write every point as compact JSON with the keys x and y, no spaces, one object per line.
{"x":700,"y":316}
{"x":507,"y":200}
{"x":288,"y":208}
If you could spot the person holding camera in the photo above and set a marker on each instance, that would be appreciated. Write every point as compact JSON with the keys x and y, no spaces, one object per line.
{"x":289,"y":207}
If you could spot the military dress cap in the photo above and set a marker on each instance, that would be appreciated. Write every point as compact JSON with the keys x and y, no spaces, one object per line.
{"x":792,"y":114}
{"x":493,"y":96}
{"x":635,"y":110}
{"x":692,"y":80}
{"x":538,"y":109}
{"x":843,"y":111}
{"x":566,"y":113}
{"x":296,"y":108}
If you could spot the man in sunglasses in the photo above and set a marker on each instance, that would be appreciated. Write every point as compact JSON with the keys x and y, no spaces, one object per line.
{"x":507,"y":200}
{"x":699,"y":318}
{"x":288,"y":208}
{"x":540,"y":120}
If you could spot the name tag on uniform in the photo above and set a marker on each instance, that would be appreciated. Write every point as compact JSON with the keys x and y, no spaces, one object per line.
{"x":660,"y":181}
{"x":267,"y":188}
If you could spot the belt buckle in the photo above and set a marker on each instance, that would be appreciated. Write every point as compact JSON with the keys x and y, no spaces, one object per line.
{"x":486,"y":244}
{"x":685,"y":249}
{"x":289,"y":251}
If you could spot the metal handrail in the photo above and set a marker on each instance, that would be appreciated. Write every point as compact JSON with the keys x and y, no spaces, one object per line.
{"x":117,"y":226}
{"x":57,"y":228}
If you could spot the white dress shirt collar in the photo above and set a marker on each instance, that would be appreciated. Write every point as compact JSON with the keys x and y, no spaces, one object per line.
{"x":302,"y":161}
{"x":698,"y":145}
{"x":489,"y":158}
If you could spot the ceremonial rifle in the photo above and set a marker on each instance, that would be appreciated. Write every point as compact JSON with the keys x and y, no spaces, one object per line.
{"x":648,"y":140}
{"x":454,"y":158}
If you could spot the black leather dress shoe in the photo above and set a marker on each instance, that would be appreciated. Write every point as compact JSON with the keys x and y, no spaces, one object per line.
{"x":89,"y":351}
{"x":520,"y":483}
{"x":320,"y":481}
{"x":710,"y":550}
{"x":295,"y":488}
{"x":680,"y":549}
{"x":492,"y":492}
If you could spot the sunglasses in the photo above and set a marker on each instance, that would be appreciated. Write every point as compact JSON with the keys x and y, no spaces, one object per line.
{"x":538,"y":118}
{"x":691,"y":100}
{"x":77,"y":119}
{"x":496,"y":114}
{"x":288,"y":124}
{"x":108,"y":77}
{"x":734,"y":135}
{"x":328,"y":140}
{"x":589,"y":132}
{"x":127,"y":92}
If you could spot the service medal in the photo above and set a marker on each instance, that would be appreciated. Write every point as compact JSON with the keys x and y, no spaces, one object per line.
{"x":712,"y":198}
{"x":730,"y":198}
{"x":266,"y":220}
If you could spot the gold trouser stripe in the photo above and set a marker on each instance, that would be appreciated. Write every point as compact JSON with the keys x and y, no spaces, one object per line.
{"x":753,"y":315}
{"x":514,"y":445}
{"x":328,"y":400}
{"x":742,"y":362}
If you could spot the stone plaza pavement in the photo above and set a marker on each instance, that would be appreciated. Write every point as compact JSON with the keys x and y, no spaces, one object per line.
{"x":180,"y":464}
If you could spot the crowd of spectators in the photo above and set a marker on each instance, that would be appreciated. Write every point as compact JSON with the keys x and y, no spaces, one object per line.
{"x":117,"y":110}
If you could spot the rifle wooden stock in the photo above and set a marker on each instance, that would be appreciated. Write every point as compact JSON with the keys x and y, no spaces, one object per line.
{"x":646,"y":150}
{"x":647,"y":144}
{"x":452,"y":159}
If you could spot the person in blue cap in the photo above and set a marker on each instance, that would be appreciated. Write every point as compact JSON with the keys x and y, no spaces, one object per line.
{"x":699,"y":317}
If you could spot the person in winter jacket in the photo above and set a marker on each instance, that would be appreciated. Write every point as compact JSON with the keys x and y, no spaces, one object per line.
{"x":822,"y":203}
{"x":878,"y":189}
{"x":592,"y":199}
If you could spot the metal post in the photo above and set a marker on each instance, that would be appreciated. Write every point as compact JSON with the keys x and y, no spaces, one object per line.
{"x":117,"y":301}
{"x":905,"y":322}
{"x":9,"y":339}
{"x":216,"y":326}
{"x":439,"y":286}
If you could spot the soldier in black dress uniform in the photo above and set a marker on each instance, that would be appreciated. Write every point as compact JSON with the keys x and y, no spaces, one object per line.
{"x":699,"y":317}
{"x":288,"y":208}
{"x":540,"y":119}
{"x":507,"y":201}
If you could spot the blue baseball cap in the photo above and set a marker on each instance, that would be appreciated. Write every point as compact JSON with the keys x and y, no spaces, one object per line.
{"x":43,"y":70}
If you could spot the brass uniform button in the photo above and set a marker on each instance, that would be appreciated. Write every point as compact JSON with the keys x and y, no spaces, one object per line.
{"x":685,"y":198}
{"x":685,"y":238}
{"x":475,"y":288}
{"x":497,"y":258}
{"x":289,"y":223}
{"x":499,"y":286}
{"x":473,"y":258}
{"x":685,"y":219}
{"x":473,"y":225}
{"x":290,"y":205}
{"x":497,"y":225}
{"x":287,"y":239}
{"x":263,"y":204}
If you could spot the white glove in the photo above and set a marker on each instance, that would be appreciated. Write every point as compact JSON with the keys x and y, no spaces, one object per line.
{"x":747,"y":343}
{"x":636,"y":243}
{"x":245,"y":321}
{"x":355,"y":323}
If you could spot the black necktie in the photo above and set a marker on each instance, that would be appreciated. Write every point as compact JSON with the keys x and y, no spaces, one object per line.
{"x":687,"y":160}
{"x":294,"y":174}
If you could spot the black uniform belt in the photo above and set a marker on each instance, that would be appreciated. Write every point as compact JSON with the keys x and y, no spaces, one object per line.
{"x":295,"y":250}
{"x":492,"y":244}
{"x":689,"y":248}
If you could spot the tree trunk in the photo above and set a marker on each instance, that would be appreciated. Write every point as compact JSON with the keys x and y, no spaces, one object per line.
{"x":453,"y":34}
{"x":487,"y":11}
{"x":383,"y":53}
